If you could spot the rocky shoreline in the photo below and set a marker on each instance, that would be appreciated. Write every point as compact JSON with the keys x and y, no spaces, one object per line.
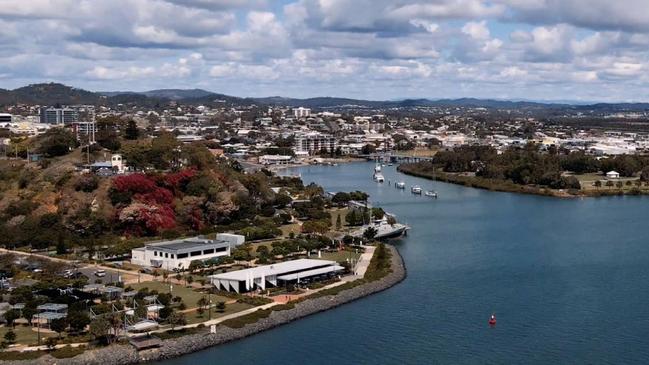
{"x":126,"y":354}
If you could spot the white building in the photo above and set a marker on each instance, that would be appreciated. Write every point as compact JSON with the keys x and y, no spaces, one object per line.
{"x":261,"y":277}
{"x":180,"y":253}
{"x":315,"y":142}
{"x":275,"y":159}
{"x":302,"y":112}
{"x":612,"y":175}
{"x":6,"y":118}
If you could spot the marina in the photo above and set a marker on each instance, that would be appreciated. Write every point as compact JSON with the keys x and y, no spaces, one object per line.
{"x":471,"y":254}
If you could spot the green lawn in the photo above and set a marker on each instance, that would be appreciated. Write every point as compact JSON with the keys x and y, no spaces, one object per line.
{"x":189,"y":296}
{"x":25,"y":335}
{"x":193,"y":317}
{"x":339,"y":256}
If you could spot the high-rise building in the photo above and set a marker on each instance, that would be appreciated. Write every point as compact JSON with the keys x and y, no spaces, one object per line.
{"x":58,"y":116}
{"x":315,"y":142}
{"x":301,"y":112}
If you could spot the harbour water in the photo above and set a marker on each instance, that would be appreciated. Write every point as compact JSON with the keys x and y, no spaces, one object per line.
{"x":567,"y":279}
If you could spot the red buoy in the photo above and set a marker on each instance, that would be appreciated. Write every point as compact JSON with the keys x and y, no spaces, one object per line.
{"x":492,"y":320}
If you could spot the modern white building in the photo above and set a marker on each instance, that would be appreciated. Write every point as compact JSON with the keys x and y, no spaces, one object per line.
{"x":275,"y":159}
{"x":315,"y":142}
{"x":180,"y":253}
{"x":302,"y":112}
{"x":612,"y":175}
{"x":5,"y":118}
{"x":261,"y":277}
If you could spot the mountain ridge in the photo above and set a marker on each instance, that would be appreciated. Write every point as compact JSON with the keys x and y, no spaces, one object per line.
{"x":56,"y":93}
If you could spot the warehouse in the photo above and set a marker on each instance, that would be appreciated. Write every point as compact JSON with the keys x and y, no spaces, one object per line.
{"x":279,"y":274}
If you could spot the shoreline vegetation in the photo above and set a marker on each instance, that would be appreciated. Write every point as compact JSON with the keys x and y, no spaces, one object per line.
{"x":385,"y":270}
{"x":424,"y":170}
{"x":537,"y":169}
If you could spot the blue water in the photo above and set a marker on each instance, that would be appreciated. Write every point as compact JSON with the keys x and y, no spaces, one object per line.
{"x":567,"y":279}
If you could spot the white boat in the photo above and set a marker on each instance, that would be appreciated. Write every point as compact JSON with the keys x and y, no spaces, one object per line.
{"x":383,"y":229}
{"x":416,"y":189}
{"x":377,"y":168}
{"x":431,"y":193}
{"x":378,"y":177}
{"x":400,"y":185}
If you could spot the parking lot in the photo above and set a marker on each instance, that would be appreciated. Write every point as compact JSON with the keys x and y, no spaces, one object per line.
{"x":110,"y":277}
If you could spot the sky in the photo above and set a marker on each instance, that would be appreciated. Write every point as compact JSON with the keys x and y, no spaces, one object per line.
{"x":577,"y":50}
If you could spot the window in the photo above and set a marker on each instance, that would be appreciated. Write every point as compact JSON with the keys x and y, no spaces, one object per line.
{"x":172,"y":256}
{"x":155,"y":253}
{"x":195,"y":253}
{"x":208,"y":252}
{"x":222,"y":249}
{"x":182,"y":255}
{"x":166,"y":255}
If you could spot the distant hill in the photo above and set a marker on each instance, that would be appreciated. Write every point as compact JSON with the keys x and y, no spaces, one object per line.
{"x":54,"y":93}
{"x":177,"y":94}
{"x":49,"y":94}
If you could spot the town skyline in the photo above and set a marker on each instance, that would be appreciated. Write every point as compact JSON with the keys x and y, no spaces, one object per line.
{"x":541,"y":50}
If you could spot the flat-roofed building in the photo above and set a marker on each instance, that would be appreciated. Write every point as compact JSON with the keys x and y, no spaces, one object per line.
{"x":261,"y":277}
{"x":180,"y":253}
{"x":275,"y":159}
{"x":59,"y":116}
{"x":5,"y":118}
{"x":315,"y":142}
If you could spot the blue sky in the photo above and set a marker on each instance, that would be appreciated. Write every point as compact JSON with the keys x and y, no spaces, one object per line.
{"x":593,"y":50}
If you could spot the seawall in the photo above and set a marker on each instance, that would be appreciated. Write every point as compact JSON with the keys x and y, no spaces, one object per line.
{"x":125,"y":354}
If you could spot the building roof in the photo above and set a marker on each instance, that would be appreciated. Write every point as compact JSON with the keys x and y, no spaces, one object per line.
{"x":187,"y":244}
{"x":52,"y":307}
{"x":309,"y":273}
{"x":49,"y":315}
{"x":275,"y":269}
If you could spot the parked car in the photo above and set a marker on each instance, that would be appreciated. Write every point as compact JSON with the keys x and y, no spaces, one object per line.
{"x":100,"y":273}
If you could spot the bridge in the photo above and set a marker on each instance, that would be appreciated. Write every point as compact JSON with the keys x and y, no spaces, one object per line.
{"x":391,"y":157}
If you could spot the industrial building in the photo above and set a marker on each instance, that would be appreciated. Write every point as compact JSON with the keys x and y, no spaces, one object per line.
{"x":180,"y":253}
{"x":261,"y":277}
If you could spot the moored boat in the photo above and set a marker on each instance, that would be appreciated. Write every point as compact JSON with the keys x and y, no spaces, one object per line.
{"x":400,"y":185}
{"x":431,"y":193}
{"x":416,"y":189}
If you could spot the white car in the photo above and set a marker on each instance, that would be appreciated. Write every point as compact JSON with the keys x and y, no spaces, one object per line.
{"x":100,"y":273}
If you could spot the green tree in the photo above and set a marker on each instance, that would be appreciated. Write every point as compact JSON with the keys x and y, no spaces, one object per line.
{"x":339,"y":223}
{"x":78,"y":321}
{"x":59,"y":325}
{"x":598,"y":184}
{"x":29,"y":312}
{"x":177,"y":319}
{"x":51,"y":342}
{"x":10,"y":336}
{"x":11,"y":316}
{"x":220,"y":307}
{"x":131,"y":132}
{"x":57,"y":142}
{"x":370,"y":233}
{"x":100,"y":329}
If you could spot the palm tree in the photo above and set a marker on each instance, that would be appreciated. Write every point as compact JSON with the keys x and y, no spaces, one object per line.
{"x":598,"y":184}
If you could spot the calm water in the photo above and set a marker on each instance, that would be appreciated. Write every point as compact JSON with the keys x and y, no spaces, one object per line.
{"x":568,"y":280}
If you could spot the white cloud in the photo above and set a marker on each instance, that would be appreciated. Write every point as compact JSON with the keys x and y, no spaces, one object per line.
{"x":364,"y":48}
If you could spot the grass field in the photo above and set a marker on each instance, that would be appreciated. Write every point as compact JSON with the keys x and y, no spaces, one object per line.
{"x":25,"y":335}
{"x":339,"y":256}
{"x":189,"y":296}
{"x":194,"y":317}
